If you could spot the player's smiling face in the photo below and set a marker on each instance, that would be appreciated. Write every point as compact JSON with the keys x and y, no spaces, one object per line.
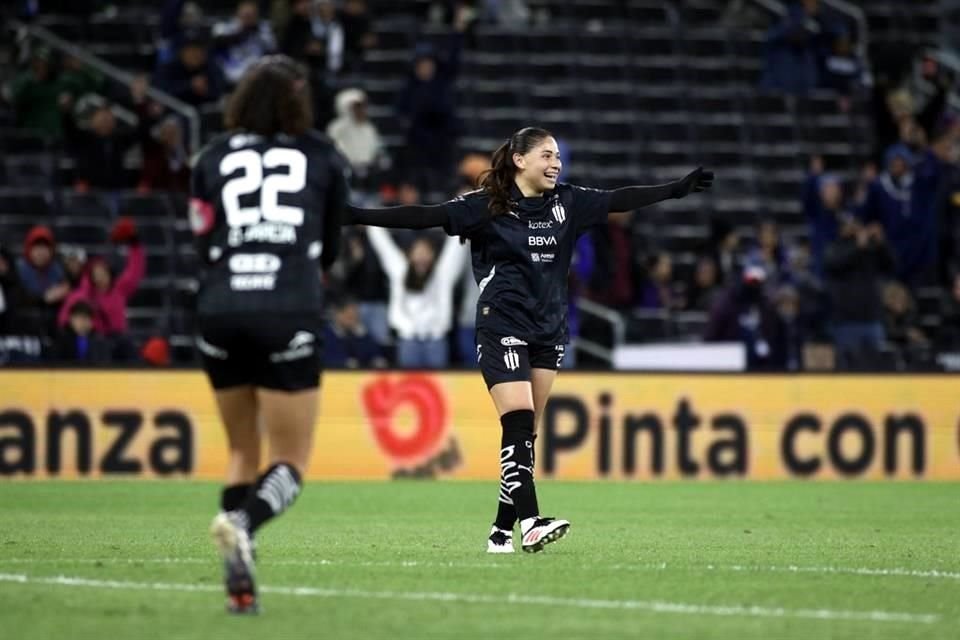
{"x":539,"y":168}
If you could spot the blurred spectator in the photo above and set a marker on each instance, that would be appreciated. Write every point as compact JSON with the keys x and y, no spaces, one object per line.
{"x":793,"y":50}
{"x":897,"y":116}
{"x":942,"y":82}
{"x":948,"y":337}
{"x":166,"y":163}
{"x":364,"y":277}
{"x":808,"y":285}
{"x":421,"y":296}
{"x":788,"y":351}
{"x":901,"y":321}
{"x":77,"y":341}
{"x":77,"y":80}
{"x":582,"y":270}
{"x":10,"y":294}
{"x":347,"y":343}
{"x":42,"y":278}
{"x":770,"y":251}
{"x":725,"y":240}
{"x":177,"y":17}
{"x":357,"y":137}
{"x":656,"y":291}
{"x":467,"y":316}
{"x":903,"y":200}
{"x":946,"y":148}
{"x":192,"y":76}
{"x":948,"y":215}
{"x":471,"y":168}
{"x":39,"y":97}
{"x":242,"y":40}
{"x":854,"y":264}
{"x":107,"y":296}
{"x":704,"y":287}
{"x":843,"y":71}
{"x":427,"y":107}
{"x":744,"y":313}
{"x":313,"y":35}
{"x":823,"y":206}
{"x":98,"y":149}
{"x":891,"y":109}
{"x":616,"y":274}
{"x":358,"y":36}
{"x":74,"y":259}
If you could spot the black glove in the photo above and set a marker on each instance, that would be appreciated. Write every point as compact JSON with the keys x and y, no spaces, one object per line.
{"x":695,"y":182}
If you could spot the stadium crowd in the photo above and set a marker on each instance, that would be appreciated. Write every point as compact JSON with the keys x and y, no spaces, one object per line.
{"x":842,"y":295}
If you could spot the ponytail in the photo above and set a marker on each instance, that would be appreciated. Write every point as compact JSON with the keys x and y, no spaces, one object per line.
{"x":497,"y":181}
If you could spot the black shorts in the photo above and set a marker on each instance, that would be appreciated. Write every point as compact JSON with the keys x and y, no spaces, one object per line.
{"x":281,"y":352}
{"x":509,"y":359}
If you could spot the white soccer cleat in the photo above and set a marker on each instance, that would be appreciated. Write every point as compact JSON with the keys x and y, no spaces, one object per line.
{"x":541,"y":532}
{"x":234,"y":546}
{"x":500,"y":541}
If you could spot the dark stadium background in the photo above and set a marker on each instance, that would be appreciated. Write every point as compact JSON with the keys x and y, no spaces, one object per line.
{"x":637,"y":91}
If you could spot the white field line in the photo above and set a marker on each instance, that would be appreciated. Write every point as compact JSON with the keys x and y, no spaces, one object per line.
{"x":651,"y":606}
{"x":894,"y":572}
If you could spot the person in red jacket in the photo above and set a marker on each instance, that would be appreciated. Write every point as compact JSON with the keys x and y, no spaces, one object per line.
{"x":107,"y":296}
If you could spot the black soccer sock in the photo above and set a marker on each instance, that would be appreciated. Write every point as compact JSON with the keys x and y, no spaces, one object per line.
{"x":516,"y":464}
{"x":232,"y":497}
{"x":506,"y":511}
{"x":275,"y":490}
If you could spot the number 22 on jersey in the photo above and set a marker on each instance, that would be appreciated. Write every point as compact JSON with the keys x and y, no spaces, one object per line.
{"x":252,"y":164}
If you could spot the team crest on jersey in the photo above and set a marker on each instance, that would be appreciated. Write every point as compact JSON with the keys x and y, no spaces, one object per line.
{"x":511,"y":359}
{"x":559,"y":212}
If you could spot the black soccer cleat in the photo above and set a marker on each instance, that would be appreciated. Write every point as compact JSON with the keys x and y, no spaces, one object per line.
{"x":542,"y":532}
{"x":234,"y":546}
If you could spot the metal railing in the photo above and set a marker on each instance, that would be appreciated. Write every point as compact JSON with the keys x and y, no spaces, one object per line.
{"x":125,"y":77}
{"x":618,"y":328}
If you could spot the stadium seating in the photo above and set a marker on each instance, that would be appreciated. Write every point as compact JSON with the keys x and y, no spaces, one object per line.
{"x":638,"y":91}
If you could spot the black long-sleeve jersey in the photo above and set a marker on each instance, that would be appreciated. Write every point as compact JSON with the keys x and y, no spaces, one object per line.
{"x":521,"y":258}
{"x":264,"y":211}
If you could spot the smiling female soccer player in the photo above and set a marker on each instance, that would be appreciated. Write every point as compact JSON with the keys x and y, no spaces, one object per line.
{"x":523,"y":225}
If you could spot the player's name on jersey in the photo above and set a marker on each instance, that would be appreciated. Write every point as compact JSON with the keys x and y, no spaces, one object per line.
{"x":267,"y":232}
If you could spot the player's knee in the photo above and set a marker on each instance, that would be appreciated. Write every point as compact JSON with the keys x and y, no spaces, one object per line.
{"x":520,"y":422}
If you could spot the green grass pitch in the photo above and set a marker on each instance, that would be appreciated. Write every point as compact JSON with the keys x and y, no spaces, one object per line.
{"x":112,"y":560}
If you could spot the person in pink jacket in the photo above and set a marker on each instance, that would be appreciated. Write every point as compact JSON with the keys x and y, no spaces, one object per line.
{"x":107,"y":296}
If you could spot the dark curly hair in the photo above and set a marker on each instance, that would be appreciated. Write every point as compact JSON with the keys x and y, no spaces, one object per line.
{"x":272,"y":97}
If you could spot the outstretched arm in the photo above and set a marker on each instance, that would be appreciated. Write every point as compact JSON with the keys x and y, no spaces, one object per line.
{"x":403,"y":217}
{"x":392,"y":260}
{"x":629,"y":198}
